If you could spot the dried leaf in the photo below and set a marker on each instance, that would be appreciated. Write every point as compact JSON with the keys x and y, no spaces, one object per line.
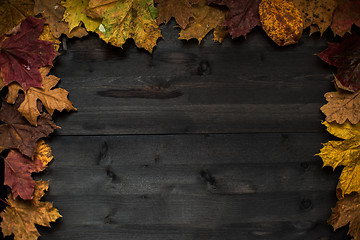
{"x":242,"y":17}
{"x":344,"y":153}
{"x":316,"y":12}
{"x":43,"y":152}
{"x":179,"y":9}
{"x":206,"y":18}
{"x":346,"y":57}
{"x":126,"y":19}
{"x":53,"y":13}
{"x":347,"y":211}
{"x":46,"y":35}
{"x":75,"y":15}
{"x":342,"y":106}
{"x":345,"y":15}
{"x":20,"y":217}
{"x":281,"y":21}
{"x":17,"y":133}
{"x":13,"y":12}
{"x":52,"y":99}
{"x":22,"y":54}
{"x":18,"y":169}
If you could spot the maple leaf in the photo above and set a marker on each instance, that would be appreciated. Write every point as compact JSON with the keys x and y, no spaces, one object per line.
{"x":22,"y":54}
{"x":126,"y":19}
{"x":342,"y":106}
{"x":347,"y":211}
{"x":281,"y":21}
{"x":52,"y":99}
{"x":17,"y":133}
{"x":346,"y":57}
{"x":206,"y":18}
{"x":318,"y":12}
{"x":43,"y":152}
{"x":46,"y":35}
{"x":13,"y":12}
{"x":53,"y":13}
{"x":345,"y":15}
{"x":179,"y":9}
{"x":18,"y":169}
{"x":75,"y":14}
{"x":20,"y":217}
{"x":344,"y":153}
{"x":242,"y":17}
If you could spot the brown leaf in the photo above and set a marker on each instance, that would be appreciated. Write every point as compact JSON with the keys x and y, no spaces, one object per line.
{"x":18,"y":169}
{"x":206,"y":18}
{"x":316,"y":12}
{"x":342,"y":106}
{"x":345,"y":15}
{"x":17,"y":133}
{"x":179,"y":9}
{"x":52,"y":99}
{"x":13,"y":12}
{"x":347,"y":211}
{"x":281,"y":20}
{"x":20,"y":217}
{"x":53,"y":13}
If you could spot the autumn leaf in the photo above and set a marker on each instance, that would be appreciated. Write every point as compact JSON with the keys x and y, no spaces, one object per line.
{"x":206,"y":18}
{"x":18,"y":169}
{"x":46,"y":35}
{"x":43,"y":152}
{"x":345,"y":15}
{"x":53,"y":13}
{"x":20,"y":217}
{"x":316,"y":12}
{"x":347,"y":211}
{"x":242,"y":17}
{"x":17,"y":133}
{"x":344,"y":153}
{"x":281,"y":21}
{"x":13,"y":12}
{"x":52,"y":99}
{"x":342,"y":106}
{"x":346,"y":57}
{"x":179,"y":9}
{"x":126,"y":19}
{"x":22,"y":54}
{"x":75,"y":15}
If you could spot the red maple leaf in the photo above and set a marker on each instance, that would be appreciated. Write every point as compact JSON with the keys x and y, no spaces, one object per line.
{"x":22,"y":54}
{"x":242,"y":17}
{"x":345,"y":15}
{"x":346,"y":57}
{"x":18,"y":169}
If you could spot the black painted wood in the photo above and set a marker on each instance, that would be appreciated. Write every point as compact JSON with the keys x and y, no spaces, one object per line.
{"x":210,"y":141}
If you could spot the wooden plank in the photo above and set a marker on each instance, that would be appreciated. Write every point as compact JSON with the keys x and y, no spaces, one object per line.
{"x":239,"y":86}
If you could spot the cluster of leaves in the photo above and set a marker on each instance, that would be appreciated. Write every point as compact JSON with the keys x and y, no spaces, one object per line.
{"x":29,"y":41}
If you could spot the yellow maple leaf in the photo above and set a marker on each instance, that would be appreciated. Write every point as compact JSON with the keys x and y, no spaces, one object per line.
{"x":53,"y":99}
{"x":12,"y":12}
{"x":75,"y":14}
{"x":281,"y":21}
{"x":43,"y":152}
{"x":206,"y":18}
{"x":126,"y":19}
{"x":46,"y":35}
{"x":344,"y":153}
{"x":20,"y":217}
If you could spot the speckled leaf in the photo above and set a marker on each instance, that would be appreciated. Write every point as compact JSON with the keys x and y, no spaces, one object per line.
{"x":345,"y":15}
{"x":242,"y":17}
{"x":126,"y":19}
{"x":316,"y":12}
{"x":281,"y":20}
{"x":206,"y":18}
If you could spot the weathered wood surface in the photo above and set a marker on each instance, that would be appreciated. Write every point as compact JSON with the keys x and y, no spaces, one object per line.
{"x":192,"y":142}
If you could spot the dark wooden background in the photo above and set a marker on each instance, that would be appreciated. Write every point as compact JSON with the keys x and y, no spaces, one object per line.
{"x":205,"y":142}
